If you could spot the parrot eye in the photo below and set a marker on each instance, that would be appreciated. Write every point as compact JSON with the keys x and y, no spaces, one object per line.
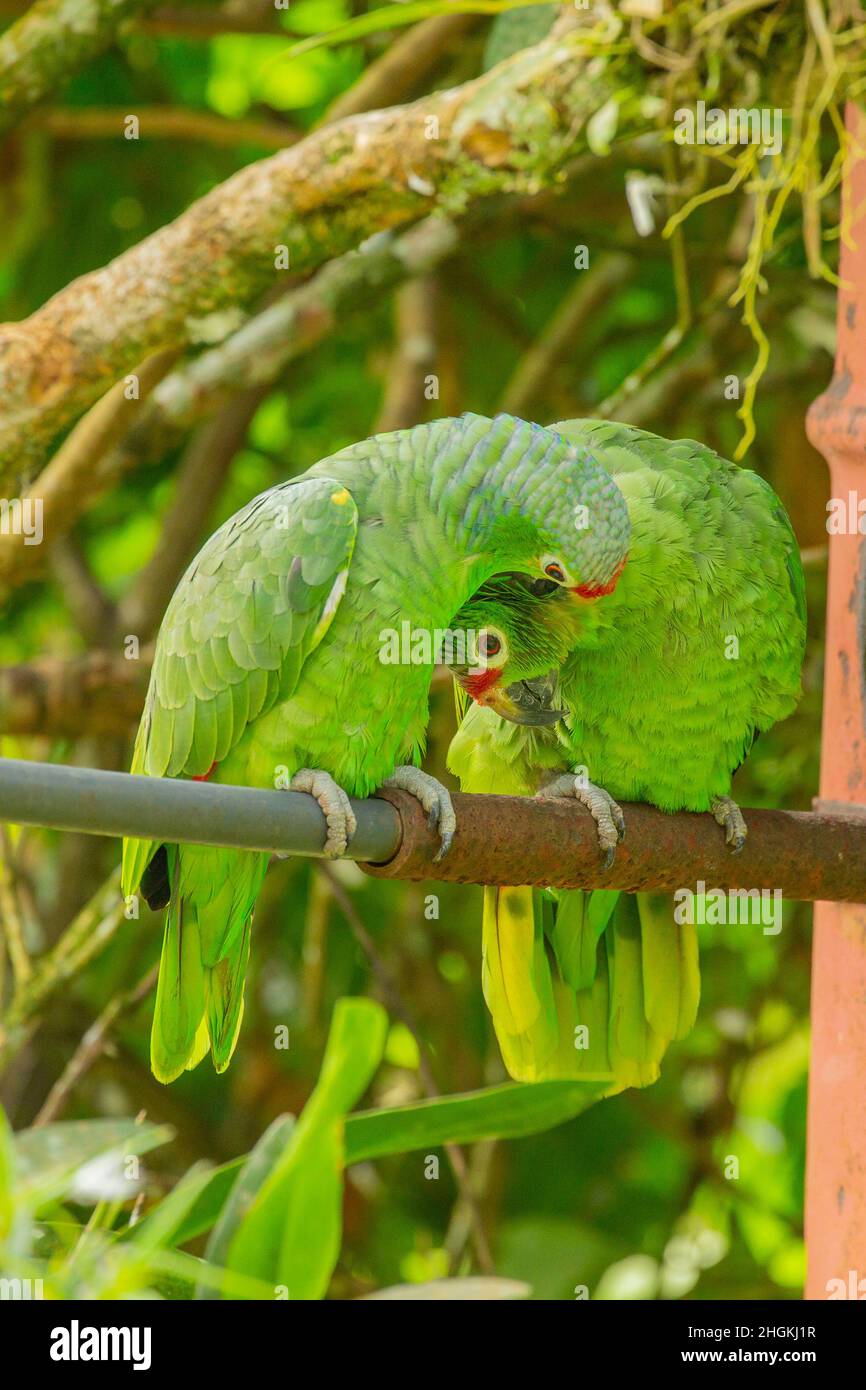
{"x":491,"y":647}
{"x":555,"y":572}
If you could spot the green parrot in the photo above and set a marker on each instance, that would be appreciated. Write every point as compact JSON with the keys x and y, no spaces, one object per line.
{"x":600,"y":1029}
{"x":667,"y":681}
{"x":271,"y":665}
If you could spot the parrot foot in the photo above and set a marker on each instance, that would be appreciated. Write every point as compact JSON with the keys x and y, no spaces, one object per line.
{"x":434,"y":798}
{"x":334,"y":804}
{"x":728,"y":815}
{"x":607,"y":815}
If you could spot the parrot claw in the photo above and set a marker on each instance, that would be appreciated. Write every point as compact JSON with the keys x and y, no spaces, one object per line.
{"x":334,"y":804}
{"x":728,"y":815}
{"x":435,"y":800}
{"x":608,"y":816}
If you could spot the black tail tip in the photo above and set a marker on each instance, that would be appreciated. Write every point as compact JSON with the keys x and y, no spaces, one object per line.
{"x":155,"y":887}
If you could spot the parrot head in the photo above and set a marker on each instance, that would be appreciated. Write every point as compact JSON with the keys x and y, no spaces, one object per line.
{"x":545,"y":507}
{"x":516,"y":636}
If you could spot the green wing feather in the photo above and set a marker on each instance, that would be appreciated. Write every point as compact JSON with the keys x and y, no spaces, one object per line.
{"x":258,"y":598}
{"x":256,"y":601}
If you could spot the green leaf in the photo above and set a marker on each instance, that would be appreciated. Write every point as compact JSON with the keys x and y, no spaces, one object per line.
{"x":245,"y":1189}
{"x":397,"y":16}
{"x":291,"y":1234}
{"x":47,"y":1159}
{"x":501,"y":1112}
{"x":601,"y":128}
{"x":206,"y":1208}
{"x":166,"y":1218}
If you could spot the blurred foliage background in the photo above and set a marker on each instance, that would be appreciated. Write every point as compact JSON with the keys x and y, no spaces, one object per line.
{"x":629,"y":1199}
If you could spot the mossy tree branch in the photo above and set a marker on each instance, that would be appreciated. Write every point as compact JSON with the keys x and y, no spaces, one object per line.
{"x":52,"y":41}
{"x":514,"y":129}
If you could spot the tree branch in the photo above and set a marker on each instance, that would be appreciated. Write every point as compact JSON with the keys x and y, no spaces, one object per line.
{"x":52,"y":41}
{"x":200,"y":478}
{"x":91,"y":1047}
{"x":162,"y":123}
{"x":85,"y":938}
{"x":414,"y":356}
{"x":514,"y":129}
{"x":89,"y":606}
{"x":75,"y":475}
{"x":94,"y":694}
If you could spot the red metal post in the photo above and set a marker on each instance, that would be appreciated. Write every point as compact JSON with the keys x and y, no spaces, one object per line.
{"x":836,"y":1157}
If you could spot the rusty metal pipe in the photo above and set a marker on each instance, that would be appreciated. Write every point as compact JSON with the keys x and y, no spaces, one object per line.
{"x":513,"y":840}
{"x":500,"y":839}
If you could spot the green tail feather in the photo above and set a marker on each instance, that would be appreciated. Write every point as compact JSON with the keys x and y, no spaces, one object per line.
{"x":224,"y":986}
{"x":637,"y":972}
{"x":180,"y":990}
{"x":580,"y":920}
{"x":205,"y":951}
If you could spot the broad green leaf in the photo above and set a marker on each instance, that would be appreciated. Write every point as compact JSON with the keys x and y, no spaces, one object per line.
{"x":205,"y":1211}
{"x":244,"y":1191}
{"x":165,"y":1219}
{"x":291,"y":1233}
{"x":313,"y":1220}
{"x":502,"y":1112}
{"x":48,"y":1159}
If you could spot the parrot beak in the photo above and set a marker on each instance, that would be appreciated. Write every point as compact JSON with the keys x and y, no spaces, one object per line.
{"x":527,"y":702}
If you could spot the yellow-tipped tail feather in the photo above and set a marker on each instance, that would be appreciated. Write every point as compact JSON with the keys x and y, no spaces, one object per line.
{"x":638,"y":972}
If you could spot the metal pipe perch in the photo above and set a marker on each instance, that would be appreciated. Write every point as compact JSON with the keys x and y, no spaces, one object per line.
{"x":500,"y":839}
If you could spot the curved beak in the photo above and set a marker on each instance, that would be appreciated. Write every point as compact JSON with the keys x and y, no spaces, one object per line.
{"x":527,"y":702}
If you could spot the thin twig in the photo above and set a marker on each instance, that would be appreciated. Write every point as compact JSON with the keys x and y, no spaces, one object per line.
{"x":414,"y":356}
{"x":161,"y":123}
{"x":84,"y":939}
{"x":532,"y":375}
{"x":91,"y":1047}
{"x":10,"y":916}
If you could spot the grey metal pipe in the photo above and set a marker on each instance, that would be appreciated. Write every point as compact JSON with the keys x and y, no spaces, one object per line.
{"x":114,"y":803}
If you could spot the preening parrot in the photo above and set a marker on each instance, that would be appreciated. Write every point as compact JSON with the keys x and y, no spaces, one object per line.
{"x":668,"y":680}
{"x":269,"y":667}
{"x":515,"y":641}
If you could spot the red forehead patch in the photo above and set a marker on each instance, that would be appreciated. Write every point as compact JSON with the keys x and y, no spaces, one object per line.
{"x":599,"y":590}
